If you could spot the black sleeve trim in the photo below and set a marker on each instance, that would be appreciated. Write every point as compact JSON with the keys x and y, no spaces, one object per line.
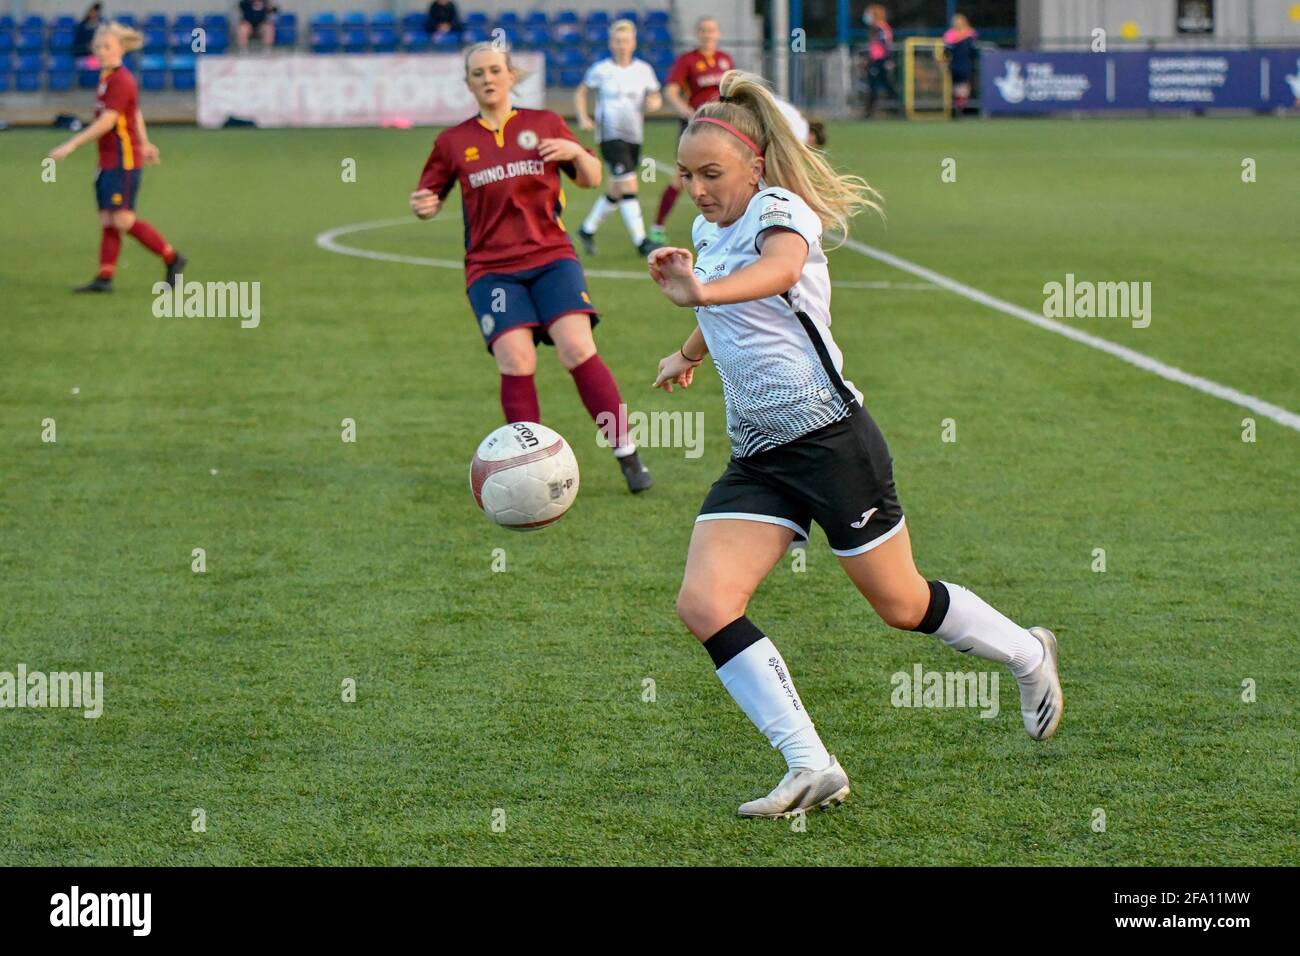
{"x":758,"y":250}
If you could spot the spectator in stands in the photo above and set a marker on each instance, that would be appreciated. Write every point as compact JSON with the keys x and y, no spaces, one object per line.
{"x":256,"y":16}
{"x":959,"y":47}
{"x":85,"y":35}
{"x":443,"y":18}
{"x":880,"y":55}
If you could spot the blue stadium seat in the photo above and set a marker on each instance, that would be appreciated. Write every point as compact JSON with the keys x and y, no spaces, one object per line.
{"x":182,"y":39}
{"x":567,"y":34}
{"x":508,"y":18}
{"x":153,"y":72}
{"x":60,"y":41}
{"x":218,"y":41}
{"x":126,"y":19}
{"x":383,"y":18}
{"x":384,"y":38}
{"x":570,"y":58}
{"x":597,"y":35}
{"x":185,"y":21}
{"x":30,"y":41}
{"x":416,"y":41}
{"x":324,"y":20}
{"x":474,"y":35}
{"x":445,"y":41}
{"x":355,"y":39}
{"x":570,"y":77}
{"x":325,"y":39}
{"x":286,"y":29}
{"x":354,"y":18}
{"x":535,"y":18}
{"x":628,"y":15}
{"x":216,"y":21}
{"x":597,"y":18}
{"x":476,"y":19}
{"x":62,"y":71}
{"x":509,"y":34}
{"x":413,"y":20}
{"x":155,"y":41}
{"x":657,"y":18}
{"x":534,"y":38}
{"x":183,"y":71}
{"x":658,"y":36}
{"x":6,"y":42}
{"x":65,"y":22}
{"x":7,"y":22}
{"x":566,"y":16}
{"x":33,"y":22}
{"x":155,"y":21}
{"x":87,"y":79}
{"x":27,"y":76}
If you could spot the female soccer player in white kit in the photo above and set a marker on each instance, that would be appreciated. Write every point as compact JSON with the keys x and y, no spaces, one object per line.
{"x":803,"y":446}
{"x":625,"y":88}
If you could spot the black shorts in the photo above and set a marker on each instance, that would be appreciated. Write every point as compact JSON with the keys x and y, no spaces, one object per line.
{"x":840,"y":476}
{"x":621,"y":157}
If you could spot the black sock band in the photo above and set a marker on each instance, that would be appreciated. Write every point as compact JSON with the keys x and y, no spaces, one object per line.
{"x":938,"y":609}
{"x":732,"y":639}
{"x":613,"y":199}
{"x":629,"y":197}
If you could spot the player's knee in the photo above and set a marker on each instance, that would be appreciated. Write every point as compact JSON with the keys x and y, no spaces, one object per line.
{"x":572,"y":354}
{"x":123,"y":220}
{"x":903,"y":610}
{"x":704,"y":611}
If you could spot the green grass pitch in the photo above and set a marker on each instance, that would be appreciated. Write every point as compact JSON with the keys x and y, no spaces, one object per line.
{"x":522,"y":691}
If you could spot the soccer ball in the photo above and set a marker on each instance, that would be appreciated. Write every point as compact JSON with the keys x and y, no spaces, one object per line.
{"x":524,"y":476}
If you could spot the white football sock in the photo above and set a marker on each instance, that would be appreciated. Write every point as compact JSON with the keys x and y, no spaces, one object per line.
{"x":760,"y":683}
{"x":597,"y":215}
{"x":631,"y":210}
{"x":974,"y":627}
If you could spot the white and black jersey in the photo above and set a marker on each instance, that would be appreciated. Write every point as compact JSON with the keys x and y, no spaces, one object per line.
{"x":620,"y":98}
{"x":780,"y":368}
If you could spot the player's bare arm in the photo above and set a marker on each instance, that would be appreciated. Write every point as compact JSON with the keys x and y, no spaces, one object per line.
{"x":149,"y":153}
{"x":580,"y":108}
{"x":102,"y":124}
{"x":679,"y":367}
{"x":560,"y":150}
{"x":677,"y":101}
{"x":425,"y":204}
{"x":777,"y":269}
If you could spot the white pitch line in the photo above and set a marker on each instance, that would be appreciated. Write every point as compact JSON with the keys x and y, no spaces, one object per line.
{"x":328,"y":240}
{"x":1145,"y":362}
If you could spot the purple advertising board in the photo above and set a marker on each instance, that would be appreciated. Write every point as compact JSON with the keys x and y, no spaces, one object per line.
{"x":1016,"y":81}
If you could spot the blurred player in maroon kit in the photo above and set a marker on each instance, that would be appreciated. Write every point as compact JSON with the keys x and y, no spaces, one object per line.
{"x":123,"y":148}
{"x":524,"y":281}
{"x":692,"y":82}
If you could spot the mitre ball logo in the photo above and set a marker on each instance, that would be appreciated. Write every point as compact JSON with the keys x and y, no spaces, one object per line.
{"x":527,"y":139}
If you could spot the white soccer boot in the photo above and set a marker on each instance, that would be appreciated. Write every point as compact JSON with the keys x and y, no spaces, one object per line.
{"x":802,"y":790}
{"x":1041,"y":700}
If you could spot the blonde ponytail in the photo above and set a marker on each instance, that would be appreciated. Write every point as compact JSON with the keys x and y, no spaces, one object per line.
{"x":131,"y":39}
{"x":746,"y":103}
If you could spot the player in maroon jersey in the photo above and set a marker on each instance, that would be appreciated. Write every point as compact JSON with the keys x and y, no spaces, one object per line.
{"x":123,"y":148}
{"x":524,"y":281}
{"x":692,"y":82}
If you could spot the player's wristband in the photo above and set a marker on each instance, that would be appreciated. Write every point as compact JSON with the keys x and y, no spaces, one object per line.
{"x":689,"y":359}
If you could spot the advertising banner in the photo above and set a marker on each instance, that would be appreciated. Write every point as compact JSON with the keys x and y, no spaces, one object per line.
{"x":348,"y":90}
{"x":1014,"y":81}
